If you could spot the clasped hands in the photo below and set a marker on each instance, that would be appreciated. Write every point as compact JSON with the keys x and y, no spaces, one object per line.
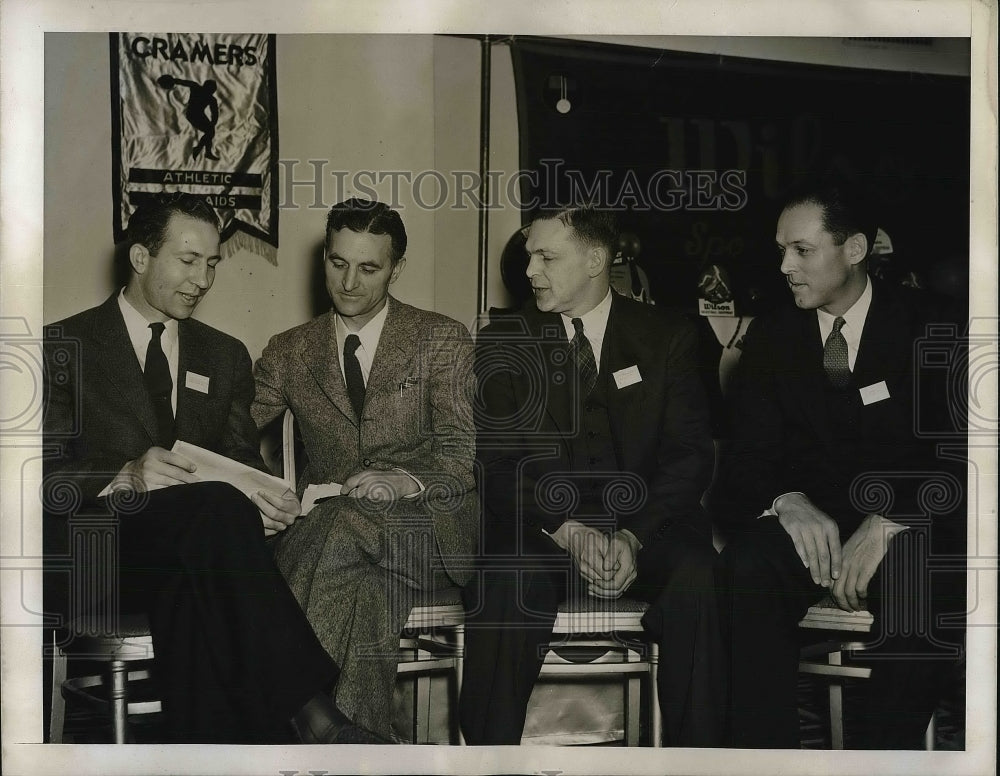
{"x":606,"y":561}
{"x":846,"y":570}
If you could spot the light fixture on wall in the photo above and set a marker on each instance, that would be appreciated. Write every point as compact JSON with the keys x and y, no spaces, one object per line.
{"x":557,"y":89}
{"x":563,"y":105}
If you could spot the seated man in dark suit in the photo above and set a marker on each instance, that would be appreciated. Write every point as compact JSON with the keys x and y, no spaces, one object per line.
{"x":594,"y":449}
{"x":829,"y":489}
{"x":236,"y":660}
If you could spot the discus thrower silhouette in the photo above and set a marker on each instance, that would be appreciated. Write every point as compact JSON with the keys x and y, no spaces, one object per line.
{"x":201,"y":111}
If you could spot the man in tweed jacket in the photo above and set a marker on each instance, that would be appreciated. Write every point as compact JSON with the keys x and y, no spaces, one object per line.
{"x":382,"y":395}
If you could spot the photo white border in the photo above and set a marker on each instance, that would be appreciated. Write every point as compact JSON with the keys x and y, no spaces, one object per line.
{"x":24,"y":23}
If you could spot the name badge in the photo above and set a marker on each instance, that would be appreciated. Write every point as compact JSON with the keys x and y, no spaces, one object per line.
{"x":874,"y":392}
{"x":196,"y":382}
{"x":627,"y":376}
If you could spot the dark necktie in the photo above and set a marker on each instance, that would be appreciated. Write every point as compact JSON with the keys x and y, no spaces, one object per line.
{"x":835,"y":357}
{"x":352,"y":373}
{"x":584,"y":355}
{"x":159,"y":385}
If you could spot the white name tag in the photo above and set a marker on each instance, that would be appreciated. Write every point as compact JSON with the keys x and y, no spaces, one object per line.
{"x":874,"y":392}
{"x":627,"y":376}
{"x":196,"y":382}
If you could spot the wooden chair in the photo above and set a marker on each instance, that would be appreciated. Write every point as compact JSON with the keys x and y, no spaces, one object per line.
{"x":129,"y":645}
{"x":826,"y":659}
{"x":433,"y":638}
{"x":125,"y":642}
{"x":594,"y":638}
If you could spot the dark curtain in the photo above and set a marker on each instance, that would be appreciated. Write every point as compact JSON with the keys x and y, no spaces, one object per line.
{"x":733,"y":135}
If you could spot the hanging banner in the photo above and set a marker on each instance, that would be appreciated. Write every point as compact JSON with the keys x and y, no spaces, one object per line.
{"x":197,"y":112}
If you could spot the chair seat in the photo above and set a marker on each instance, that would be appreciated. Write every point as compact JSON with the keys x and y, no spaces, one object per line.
{"x":600,"y":615}
{"x":826,"y":615}
{"x":441,"y":609}
{"x":131,"y":639}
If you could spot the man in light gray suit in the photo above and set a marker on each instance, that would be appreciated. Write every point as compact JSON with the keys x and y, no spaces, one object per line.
{"x":382,"y":394}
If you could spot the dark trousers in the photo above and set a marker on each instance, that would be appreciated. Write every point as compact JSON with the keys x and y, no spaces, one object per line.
{"x":235,"y":657}
{"x":771,"y":590}
{"x":510,"y":619}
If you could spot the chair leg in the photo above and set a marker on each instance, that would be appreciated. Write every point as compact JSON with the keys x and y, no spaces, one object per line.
{"x":633,"y":709}
{"x":836,"y":706}
{"x":422,"y":701}
{"x":57,"y":718}
{"x":459,"y":664}
{"x":119,"y":701}
{"x":656,"y":715}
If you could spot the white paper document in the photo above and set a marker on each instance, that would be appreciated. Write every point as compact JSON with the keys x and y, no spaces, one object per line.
{"x":212,"y":467}
{"x":218,"y":468}
{"x":317,"y":493}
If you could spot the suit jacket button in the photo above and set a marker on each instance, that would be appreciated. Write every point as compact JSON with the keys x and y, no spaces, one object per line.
{"x":367,"y":462}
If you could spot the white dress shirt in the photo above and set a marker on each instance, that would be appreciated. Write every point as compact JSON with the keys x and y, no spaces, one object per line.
{"x":854,"y":323}
{"x":595,"y":324}
{"x":369,"y":334}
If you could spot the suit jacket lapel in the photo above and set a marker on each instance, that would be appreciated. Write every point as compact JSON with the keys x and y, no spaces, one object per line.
{"x":398,"y":345}
{"x":624,"y":346}
{"x":116,"y":360}
{"x":546,"y":340}
{"x":880,"y":354}
{"x":192,"y":405}
{"x":811,"y":387}
{"x":318,"y":352}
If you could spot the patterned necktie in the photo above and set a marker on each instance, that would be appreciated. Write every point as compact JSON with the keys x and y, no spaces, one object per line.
{"x":835,"y":362}
{"x":584,"y":355}
{"x":352,"y":373}
{"x":160,"y":386}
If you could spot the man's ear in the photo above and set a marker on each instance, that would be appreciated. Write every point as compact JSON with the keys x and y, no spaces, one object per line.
{"x":597,"y":261}
{"x":397,"y":269}
{"x":856,"y":247}
{"x":138,"y":257}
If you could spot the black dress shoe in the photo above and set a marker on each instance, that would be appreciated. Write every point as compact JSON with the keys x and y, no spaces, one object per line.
{"x":321,"y":722}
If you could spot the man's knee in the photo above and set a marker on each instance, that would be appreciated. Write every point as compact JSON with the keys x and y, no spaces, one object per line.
{"x":225,"y":508}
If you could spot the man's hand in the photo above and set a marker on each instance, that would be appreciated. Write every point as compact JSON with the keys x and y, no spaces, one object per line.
{"x":862,"y":554}
{"x":277,"y":510}
{"x":379,"y":485}
{"x":155,"y":468}
{"x":620,"y":566}
{"x":814,"y":534}
{"x":587,"y":546}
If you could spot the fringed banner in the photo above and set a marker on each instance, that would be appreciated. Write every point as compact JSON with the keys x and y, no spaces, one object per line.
{"x":197,"y":112}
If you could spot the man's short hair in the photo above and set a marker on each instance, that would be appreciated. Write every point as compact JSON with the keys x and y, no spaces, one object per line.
{"x":371,"y":217}
{"x":593,"y":226}
{"x":148,"y":224}
{"x":846,"y":208}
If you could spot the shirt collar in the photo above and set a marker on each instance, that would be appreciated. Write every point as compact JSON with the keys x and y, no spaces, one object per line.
{"x":369,"y":334}
{"x":139,"y":332}
{"x":854,"y":318}
{"x":595,"y":322}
